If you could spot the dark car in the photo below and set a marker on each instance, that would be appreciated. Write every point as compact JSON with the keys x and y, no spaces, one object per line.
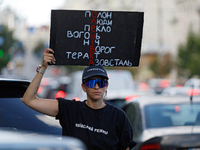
{"x":15,"y":115}
{"x":165,"y":122}
{"x":53,"y":87}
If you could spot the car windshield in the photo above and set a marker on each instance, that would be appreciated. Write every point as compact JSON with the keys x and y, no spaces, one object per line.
{"x":14,"y":114}
{"x":165,"y":115}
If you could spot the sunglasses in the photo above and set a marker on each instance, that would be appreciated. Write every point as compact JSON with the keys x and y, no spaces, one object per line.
{"x":91,"y":83}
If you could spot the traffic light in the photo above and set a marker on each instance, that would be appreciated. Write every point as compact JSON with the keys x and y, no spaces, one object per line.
{"x":1,"y":53}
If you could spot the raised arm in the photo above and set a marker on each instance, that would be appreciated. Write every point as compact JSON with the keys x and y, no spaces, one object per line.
{"x":45,"y":106}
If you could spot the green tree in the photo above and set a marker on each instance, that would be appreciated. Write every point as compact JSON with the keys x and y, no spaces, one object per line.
{"x":5,"y":48}
{"x":188,"y":58}
{"x":162,"y":65}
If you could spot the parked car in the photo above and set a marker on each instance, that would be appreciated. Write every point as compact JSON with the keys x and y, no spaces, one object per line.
{"x":11,"y":140}
{"x":165,"y":122}
{"x":16,"y":116}
{"x":121,"y":86}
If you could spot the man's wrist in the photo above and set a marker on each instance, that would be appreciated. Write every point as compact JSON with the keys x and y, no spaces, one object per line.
{"x":40,"y":69}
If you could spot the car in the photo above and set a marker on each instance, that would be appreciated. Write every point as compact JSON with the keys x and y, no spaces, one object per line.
{"x":12,"y":140}
{"x":191,"y":87}
{"x":192,"y":82}
{"x":50,"y":87}
{"x":159,"y":84}
{"x":16,"y":116}
{"x":162,"y":122}
{"x":121,"y":87}
{"x":180,"y":90}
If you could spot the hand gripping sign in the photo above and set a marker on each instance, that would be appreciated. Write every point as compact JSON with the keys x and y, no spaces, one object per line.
{"x":105,"y":38}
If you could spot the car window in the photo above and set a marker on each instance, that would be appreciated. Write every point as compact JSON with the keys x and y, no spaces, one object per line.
{"x":134,"y":116}
{"x":12,"y":89}
{"x":116,"y":102}
{"x":15,"y":114}
{"x":164,"y":115}
{"x":130,"y":112}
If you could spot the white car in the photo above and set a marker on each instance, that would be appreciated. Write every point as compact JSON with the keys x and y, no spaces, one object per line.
{"x":121,"y":86}
{"x":165,"y":122}
{"x":192,"y":82}
{"x":191,"y":87}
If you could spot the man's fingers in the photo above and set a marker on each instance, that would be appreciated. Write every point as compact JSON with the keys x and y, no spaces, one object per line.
{"x":49,"y":55}
{"x":49,"y":59}
{"x":48,"y":50}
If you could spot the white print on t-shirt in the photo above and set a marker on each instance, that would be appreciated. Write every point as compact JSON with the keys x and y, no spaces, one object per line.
{"x":80,"y":125}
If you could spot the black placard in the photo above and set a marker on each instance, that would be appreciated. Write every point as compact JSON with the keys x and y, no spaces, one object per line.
{"x":106,"y":38}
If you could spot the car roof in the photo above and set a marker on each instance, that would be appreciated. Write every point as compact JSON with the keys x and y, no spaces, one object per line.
{"x":14,"y":81}
{"x":165,"y":99}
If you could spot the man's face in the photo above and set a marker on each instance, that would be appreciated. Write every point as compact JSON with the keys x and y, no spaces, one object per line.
{"x":97,"y":92}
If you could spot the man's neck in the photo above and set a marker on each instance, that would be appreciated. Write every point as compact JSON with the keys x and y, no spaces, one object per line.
{"x":95,"y":105}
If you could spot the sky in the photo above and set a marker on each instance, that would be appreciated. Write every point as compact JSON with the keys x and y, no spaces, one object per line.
{"x":36,"y":12}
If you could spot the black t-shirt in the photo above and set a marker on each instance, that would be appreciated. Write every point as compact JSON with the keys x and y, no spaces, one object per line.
{"x":107,"y":128}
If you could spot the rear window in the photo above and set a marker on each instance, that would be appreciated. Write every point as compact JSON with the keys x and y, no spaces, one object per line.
{"x":13,"y":89}
{"x":15,"y":114}
{"x":172,"y":115}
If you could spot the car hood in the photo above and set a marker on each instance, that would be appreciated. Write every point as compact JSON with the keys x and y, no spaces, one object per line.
{"x":180,"y":130}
